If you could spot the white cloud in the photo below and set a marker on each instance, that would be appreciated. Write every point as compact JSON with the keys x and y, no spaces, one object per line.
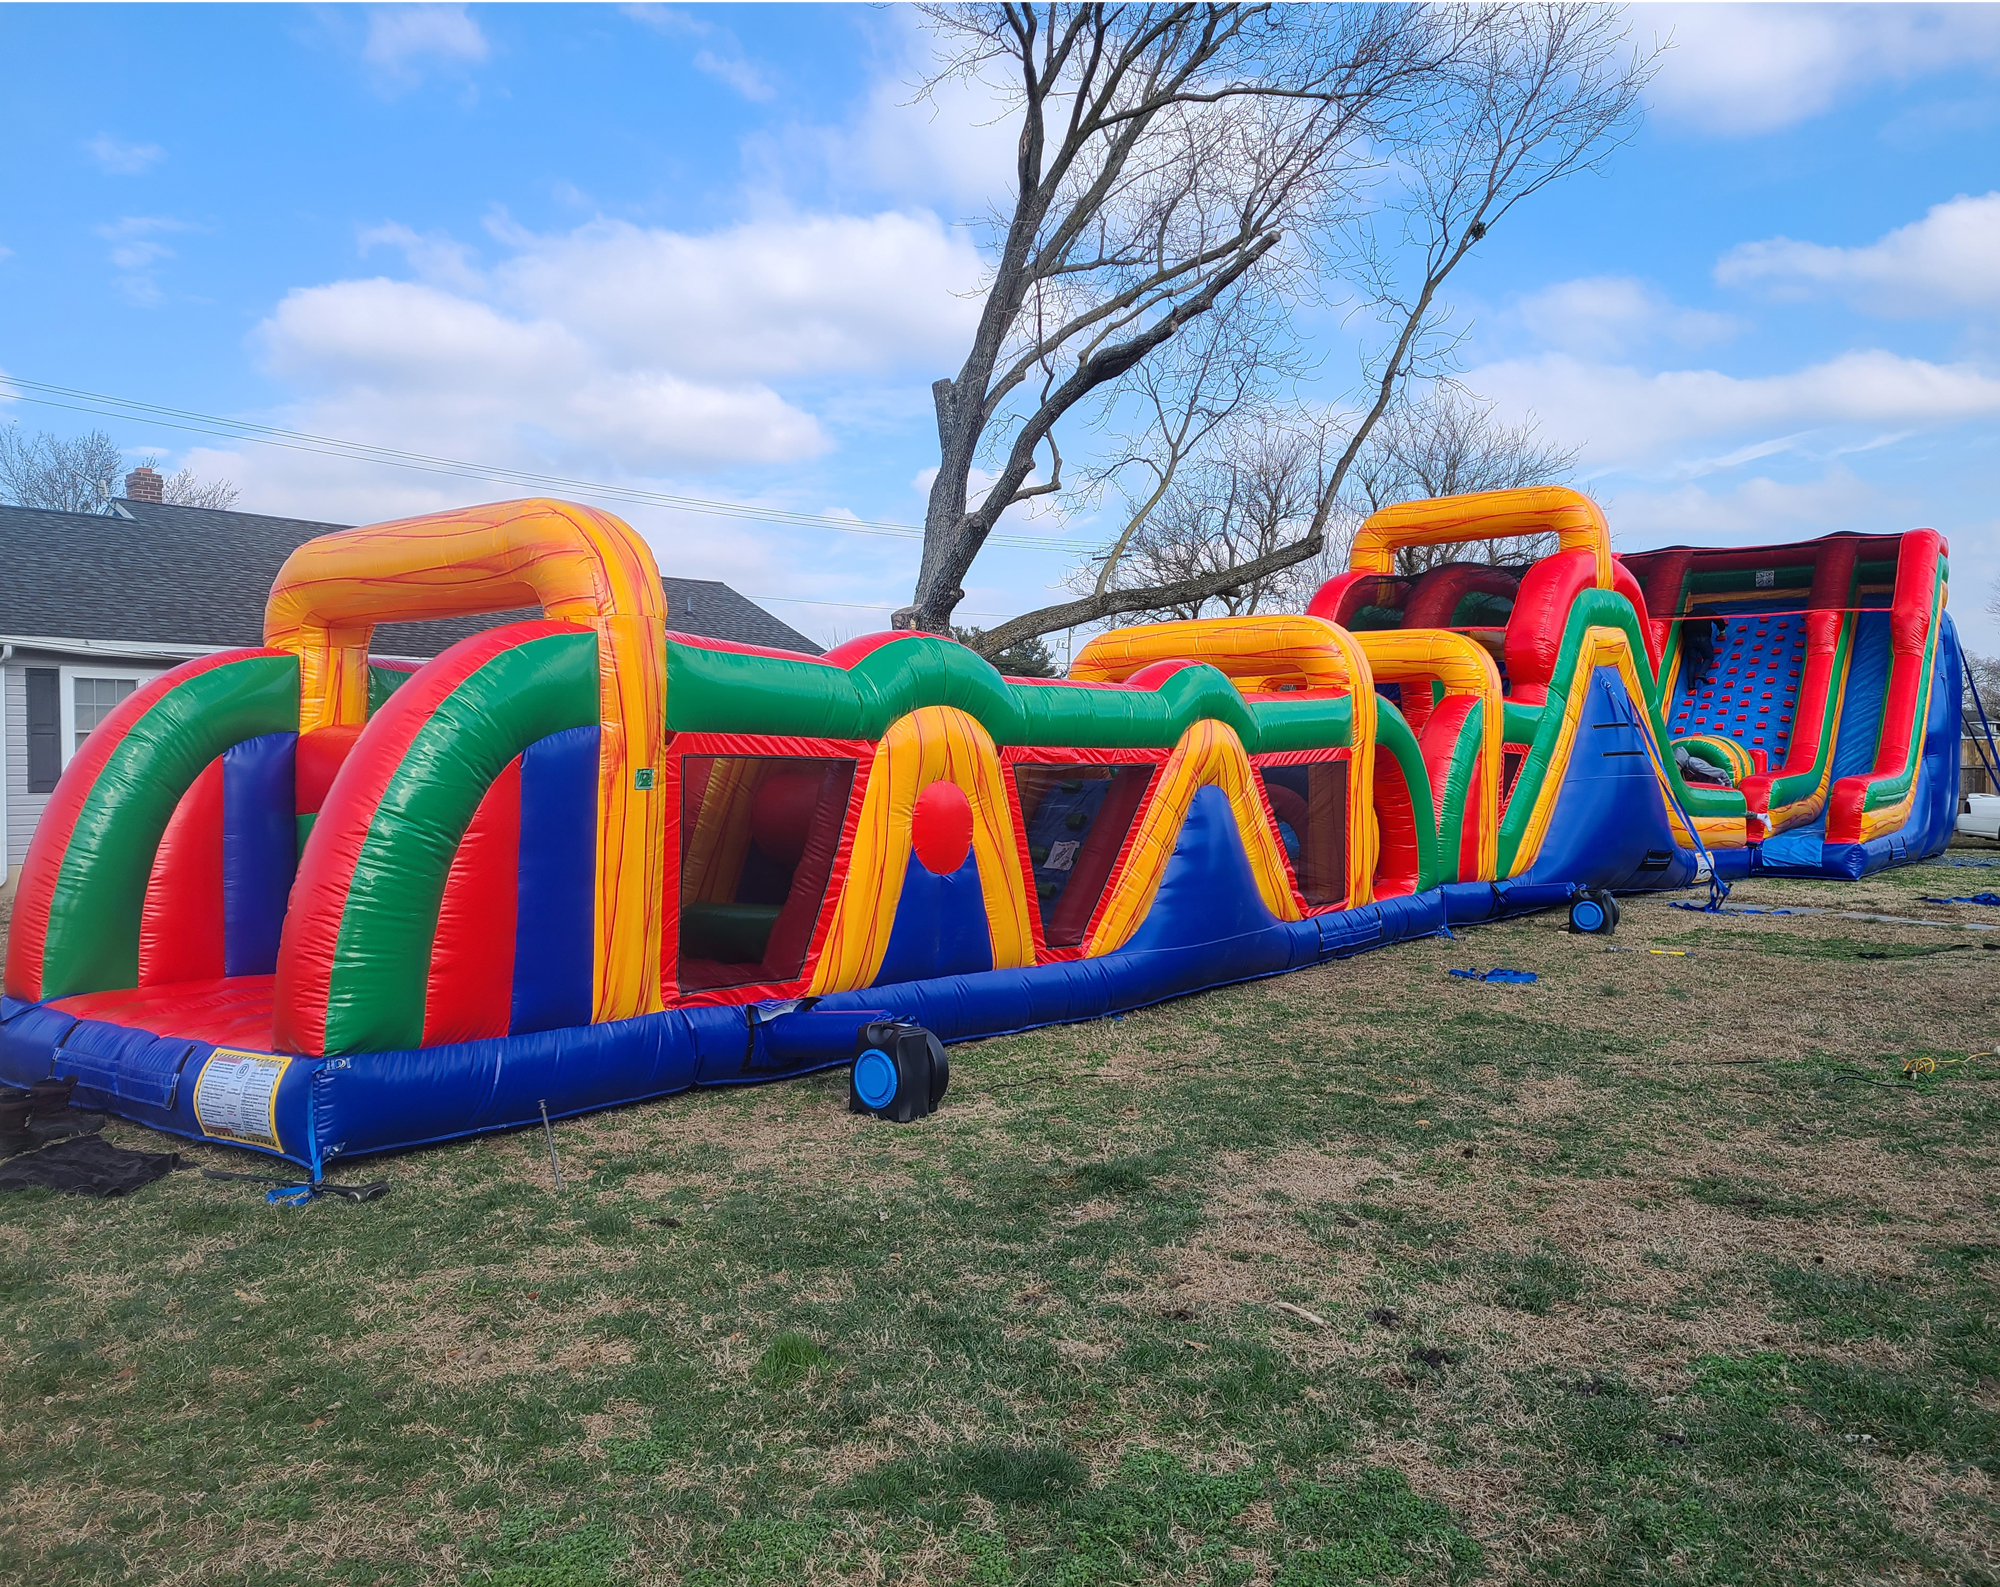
{"x":1626,"y":416}
{"x":622,"y":349}
{"x":1741,"y":69}
{"x":954,"y":149}
{"x":1613,"y":314}
{"x":403,"y":363}
{"x":619,"y":353}
{"x":797,"y":571}
{"x":124,"y":159}
{"x":1760,"y":509}
{"x":960,"y":142}
{"x":436,"y":257}
{"x":790,"y":295}
{"x":136,"y":250}
{"x":726,"y":61}
{"x":402,"y":40}
{"x":1950,"y":259}
{"x":738,"y":71}
{"x":328,"y":489}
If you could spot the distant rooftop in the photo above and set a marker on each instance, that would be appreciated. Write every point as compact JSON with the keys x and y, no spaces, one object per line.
{"x":149,"y":573}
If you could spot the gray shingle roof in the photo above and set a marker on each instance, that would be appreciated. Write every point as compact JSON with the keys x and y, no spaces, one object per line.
{"x":198,"y":576}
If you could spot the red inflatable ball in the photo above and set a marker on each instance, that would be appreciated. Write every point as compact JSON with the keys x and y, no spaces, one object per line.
{"x":941,"y":828}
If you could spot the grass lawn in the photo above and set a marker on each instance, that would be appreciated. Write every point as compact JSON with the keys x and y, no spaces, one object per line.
{"x":1658,"y":1270}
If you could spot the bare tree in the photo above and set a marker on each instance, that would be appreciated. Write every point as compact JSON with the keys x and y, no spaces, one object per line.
{"x":82,"y":473}
{"x":59,"y":473}
{"x":1031,"y":658}
{"x":1164,"y":153}
{"x":182,"y":489}
{"x":1449,"y":444}
{"x":1178,"y":158}
{"x":1187,"y":397}
{"x":1982,"y":673}
{"x":1257,"y":490}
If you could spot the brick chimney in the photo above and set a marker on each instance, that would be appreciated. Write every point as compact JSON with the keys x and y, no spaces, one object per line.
{"x":142,"y":484}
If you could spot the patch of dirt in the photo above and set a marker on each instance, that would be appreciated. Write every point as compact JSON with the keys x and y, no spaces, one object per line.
{"x":1949,"y":1510}
{"x":1643,"y":1245}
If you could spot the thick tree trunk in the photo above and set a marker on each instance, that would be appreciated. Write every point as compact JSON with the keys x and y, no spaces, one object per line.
{"x":947,"y":524}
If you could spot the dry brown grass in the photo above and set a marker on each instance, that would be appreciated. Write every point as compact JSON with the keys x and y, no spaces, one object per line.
{"x":1429,"y":1153}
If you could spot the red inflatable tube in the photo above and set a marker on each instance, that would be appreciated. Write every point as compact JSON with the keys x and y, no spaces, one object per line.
{"x":1909,"y":648}
{"x":1627,"y":586}
{"x":319,"y":892}
{"x":180,"y":925}
{"x":1341,"y":597}
{"x":1541,"y":608}
{"x":1541,"y":611}
{"x":1396,"y":825}
{"x":469,"y":994}
{"x":320,"y":756}
{"x":1663,"y":579}
{"x":1434,"y":599}
{"x":1437,"y":741}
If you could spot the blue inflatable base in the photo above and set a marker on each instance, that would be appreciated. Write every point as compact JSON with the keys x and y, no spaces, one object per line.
{"x":324,"y":1109}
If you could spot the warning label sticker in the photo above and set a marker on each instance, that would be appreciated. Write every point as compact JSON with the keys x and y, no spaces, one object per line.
{"x":236,"y":1097}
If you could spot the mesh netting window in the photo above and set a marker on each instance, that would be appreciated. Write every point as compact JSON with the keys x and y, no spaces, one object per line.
{"x":758,"y":837}
{"x":1077,"y":817}
{"x":1310,"y":802}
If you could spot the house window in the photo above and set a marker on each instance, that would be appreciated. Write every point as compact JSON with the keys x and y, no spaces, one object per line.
{"x":88,"y":696}
{"x":94,"y":699}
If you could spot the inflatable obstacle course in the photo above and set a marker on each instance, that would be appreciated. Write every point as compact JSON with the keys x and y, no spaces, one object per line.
{"x":319,"y":903}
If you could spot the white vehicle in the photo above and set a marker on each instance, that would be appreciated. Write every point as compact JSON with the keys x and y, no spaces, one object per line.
{"x":1979,"y":816}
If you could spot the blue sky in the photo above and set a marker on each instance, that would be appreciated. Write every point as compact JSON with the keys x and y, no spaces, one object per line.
{"x":716,"y":251}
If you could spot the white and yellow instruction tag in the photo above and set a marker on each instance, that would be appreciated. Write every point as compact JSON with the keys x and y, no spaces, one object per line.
{"x":236,"y":1097}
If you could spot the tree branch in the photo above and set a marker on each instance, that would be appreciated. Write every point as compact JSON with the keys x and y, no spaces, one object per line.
{"x":1095,"y":608}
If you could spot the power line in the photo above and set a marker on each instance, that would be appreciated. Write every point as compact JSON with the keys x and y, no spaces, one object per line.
{"x":74,"y":400}
{"x":862,"y":606}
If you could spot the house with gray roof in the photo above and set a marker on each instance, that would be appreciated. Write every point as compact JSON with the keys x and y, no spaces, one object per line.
{"x":92,"y":605}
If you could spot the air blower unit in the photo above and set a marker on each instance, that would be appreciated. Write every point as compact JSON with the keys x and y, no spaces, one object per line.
{"x":1593,"y":912}
{"x":900,"y":1074}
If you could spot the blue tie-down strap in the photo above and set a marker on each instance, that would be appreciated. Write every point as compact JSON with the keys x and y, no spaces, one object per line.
{"x":1976,"y":898}
{"x":287,"y":1194}
{"x":1734,"y":909}
{"x":1510,"y":977}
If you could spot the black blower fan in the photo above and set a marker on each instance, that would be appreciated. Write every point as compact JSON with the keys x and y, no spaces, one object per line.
{"x":1593,"y":912}
{"x":900,"y":1074}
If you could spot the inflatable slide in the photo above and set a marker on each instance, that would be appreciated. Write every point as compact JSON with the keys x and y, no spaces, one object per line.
{"x":1817,"y":686}
{"x":320,"y":904}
